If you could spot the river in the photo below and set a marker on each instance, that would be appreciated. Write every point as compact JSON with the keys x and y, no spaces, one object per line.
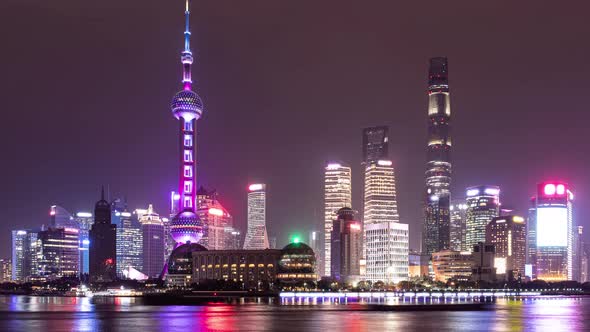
{"x":27,"y":313}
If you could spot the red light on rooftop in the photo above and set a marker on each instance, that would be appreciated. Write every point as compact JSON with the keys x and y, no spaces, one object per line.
{"x":549,"y":189}
{"x":560,"y":189}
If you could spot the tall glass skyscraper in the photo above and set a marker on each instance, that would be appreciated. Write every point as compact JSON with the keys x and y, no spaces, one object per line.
{"x":483,"y":205}
{"x":153,"y":243}
{"x":554,"y":236}
{"x":380,"y":199}
{"x":337,"y":194}
{"x":458,"y":225}
{"x":216,"y":220}
{"x":436,"y":232}
{"x":256,"y":236}
{"x":103,"y":244}
{"x":85,"y":221}
{"x":129,"y":242}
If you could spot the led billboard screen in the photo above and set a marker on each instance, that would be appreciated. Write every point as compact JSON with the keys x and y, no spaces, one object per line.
{"x":551,"y":227}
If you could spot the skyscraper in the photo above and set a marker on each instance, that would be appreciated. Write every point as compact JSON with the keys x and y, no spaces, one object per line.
{"x":508,"y":235}
{"x":129,"y":242}
{"x":85,"y":221}
{"x":347,"y":246}
{"x":5,"y":270}
{"x":436,"y":232}
{"x":215,"y":218}
{"x":554,"y":232}
{"x":375,"y":144}
{"x":19,"y":239}
{"x":380,"y":201}
{"x":457,"y":226}
{"x":58,"y":253}
{"x":103,"y":244}
{"x":152,"y":231}
{"x":387,"y":252}
{"x":337,"y":194}
{"x":187,"y":107}
{"x":483,"y":205}
{"x":531,"y":244}
{"x":256,"y":236}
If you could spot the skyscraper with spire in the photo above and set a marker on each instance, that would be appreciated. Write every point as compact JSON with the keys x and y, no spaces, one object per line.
{"x":103,"y":243}
{"x":437,"y":194}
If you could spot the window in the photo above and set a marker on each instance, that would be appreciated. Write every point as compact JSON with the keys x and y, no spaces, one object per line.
{"x":188,"y":140}
{"x":188,"y":171}
{"x":188,"y":156}
{"x":187,"y":202}
{"x":188,"y":126}
{"x":188,"y":186}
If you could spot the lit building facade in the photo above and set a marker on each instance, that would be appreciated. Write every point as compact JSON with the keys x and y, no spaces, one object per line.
{"x":256,"y":236}
{"x":297,"y":266}
{"x":152,"y":231}
{"x":18,"y":255}
{"x":451,"y":264}
{"x":103,"y":244}
{"x":554,"y":232}
{"x":85,"y":221}
{"x":531,"y":223}
{"x":437,"y":195}
{"x":59,"y":254}
{"x":578,"y":252}
{"x":315,"y":241}
{"x":5,"y":270}
{"x":483,"y":205}
{"x":129,"y":242}
{"x":458,"y":225}
{"x":387,"y":250}
{"x":346,"y":247}
{"x":380,"y":201}
{"x":337,"y":194}
{"x":215,"y":218}
{"x":508,"y":235}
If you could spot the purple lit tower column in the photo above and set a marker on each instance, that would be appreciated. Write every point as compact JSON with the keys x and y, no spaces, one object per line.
{"x":188,"y":108}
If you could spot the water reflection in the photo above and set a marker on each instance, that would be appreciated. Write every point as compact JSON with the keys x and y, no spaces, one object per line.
{"x":22,"y":313}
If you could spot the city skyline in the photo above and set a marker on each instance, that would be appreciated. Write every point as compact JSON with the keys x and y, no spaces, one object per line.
{"x":531,"y":137}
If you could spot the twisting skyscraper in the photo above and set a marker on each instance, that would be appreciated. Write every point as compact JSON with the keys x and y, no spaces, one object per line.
{"x":188,"y":108}
{"x":436,"y":231}
{"x":257,"y":235}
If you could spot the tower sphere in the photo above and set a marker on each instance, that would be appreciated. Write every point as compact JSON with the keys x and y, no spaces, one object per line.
{"x":186,"y":227}
{"x":187,"y":104}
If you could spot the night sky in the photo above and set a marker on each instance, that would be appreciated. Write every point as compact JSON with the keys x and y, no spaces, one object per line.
{"x":85,"y":88}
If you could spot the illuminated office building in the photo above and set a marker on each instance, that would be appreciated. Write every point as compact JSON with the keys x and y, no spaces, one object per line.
{"x":315,"y":243}
{"x":346,"y":247}
{"x":437,"y":194}
{"x":451,"y":264}
{"x":59,"y":253}
{"x":103,"y":244}
{"x":387,"y":251}
{"x":508,"y":235}
{"x":483,"y":205}
{"x":531,"y":224}
{"x":554,"y":232}
{"x":85,"y":221}
{"x":129,"y":242}
{"x":5,"y":270}
{"x":215,"y":218}
{"x":152,"y":231}
{"x":337,"y":194}
{"x":256,"y":236}
{"x":18,"y":255}
{"x":380,"y":201}
{"x":458,"y":225}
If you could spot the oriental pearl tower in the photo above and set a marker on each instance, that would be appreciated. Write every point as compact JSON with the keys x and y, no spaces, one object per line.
{"x":187,"y":107}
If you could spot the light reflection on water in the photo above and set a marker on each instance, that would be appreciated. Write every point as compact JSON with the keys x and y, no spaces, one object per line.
{"x":23,"y":313}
